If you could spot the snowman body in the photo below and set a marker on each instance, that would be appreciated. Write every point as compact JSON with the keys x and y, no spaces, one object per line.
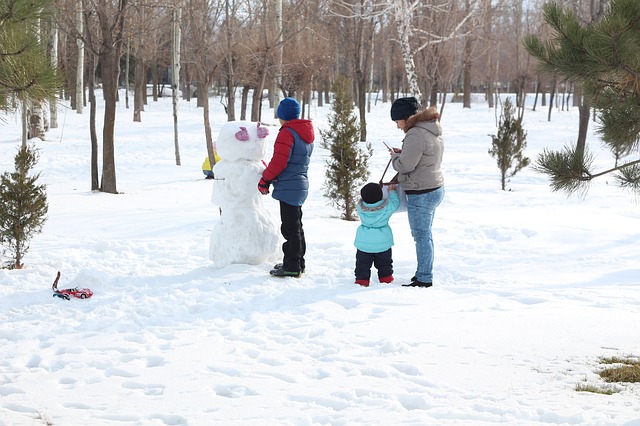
{"x":246,"y":232}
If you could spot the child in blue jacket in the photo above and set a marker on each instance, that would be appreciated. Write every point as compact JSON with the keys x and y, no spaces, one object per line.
{"x":374,"y":237}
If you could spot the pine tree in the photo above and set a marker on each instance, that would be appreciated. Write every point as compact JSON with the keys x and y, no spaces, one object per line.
{"x":347,"y":167}
{"x":603,"y":58}
{"x":26,"y":73}
{"x":508,"y":145}
{"x":23,"y":206}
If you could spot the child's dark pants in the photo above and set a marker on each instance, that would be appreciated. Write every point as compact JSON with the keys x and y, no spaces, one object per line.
{"x":382,"y":261}
{"x":294,"y":247}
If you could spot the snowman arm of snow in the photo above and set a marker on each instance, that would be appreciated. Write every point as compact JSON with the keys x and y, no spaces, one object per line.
{"x":281,"y":153}
{"x":241,"y":179}
{"x":234,"y":180}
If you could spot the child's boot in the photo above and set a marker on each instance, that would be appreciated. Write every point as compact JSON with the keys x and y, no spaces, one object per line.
{"x":363,"y":283}
{"x":386,"y":280}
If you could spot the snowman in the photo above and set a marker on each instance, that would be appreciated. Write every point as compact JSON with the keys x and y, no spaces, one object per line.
{"x":246,"y":231}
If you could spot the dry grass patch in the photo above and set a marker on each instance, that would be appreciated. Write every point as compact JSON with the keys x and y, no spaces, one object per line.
{"x":596,"y":388}
{"x":625,"y":369}
{"x":618,"y":370}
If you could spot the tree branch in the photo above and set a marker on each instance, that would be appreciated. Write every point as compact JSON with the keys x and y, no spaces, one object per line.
{"x":614,"y":169}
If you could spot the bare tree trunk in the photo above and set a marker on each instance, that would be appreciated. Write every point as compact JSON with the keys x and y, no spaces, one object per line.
{"x":127,"y":62}
{"x":466,"y":65}
{"x":199,"y":94}
{"x":144,"y":84}
{"x":53,"y":51}
{"x":535,"y":100}
{"x":231,"y":101}
{"x":466,"y":91}
{"x":154,"y":79}
{"x":231,"y":83}
{"x":175,"y":84}
{"x":491,"y":61}
{"x":327,"y":91}
{"x":362,"y":104}
{"x":520,"y":73}
{"x":35,"y":121}
{"x":320,"y":92}
{"x":25,"y":121}
{"x":444,"y":101}
{"x":111,"y":31}
{"x":360,"y":59}
{"x":207,"y":132}
{"x":36,"y":118}
{"x":403,"y":22}
{"x":551,"y":97}
{"x":139,"y":87}
{"x":370,"y":77}
{"x":243,"y":102}
{"x":92,"y":123}
{"x":279,"y":55}
{"x":490,"y":93}
{"x":583,"y":127}
{"x":186,"y":84}
{"x":109,"y":67}
{"x":386,"y":71}
{"x":256,"y":106}
{"x":433,"y":96}
{"x":80,"y":67}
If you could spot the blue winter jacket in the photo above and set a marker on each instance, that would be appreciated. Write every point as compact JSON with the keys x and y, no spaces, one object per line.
{"x":374,"y":234}
{"x":290,"y":162}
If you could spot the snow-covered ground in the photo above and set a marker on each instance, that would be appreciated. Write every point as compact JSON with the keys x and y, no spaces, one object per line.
{"x":531,"y":288}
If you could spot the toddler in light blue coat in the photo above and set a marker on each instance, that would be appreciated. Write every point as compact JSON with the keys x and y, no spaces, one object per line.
{"x":374,"y":237}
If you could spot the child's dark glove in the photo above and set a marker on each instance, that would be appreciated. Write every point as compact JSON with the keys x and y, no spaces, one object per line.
{"x":263,"y":186}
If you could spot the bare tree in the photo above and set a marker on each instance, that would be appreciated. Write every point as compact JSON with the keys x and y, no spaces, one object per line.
{"x":80,"y":59}
{"x":230,"y":11}
{"x":421,"y":25}
{"x":175,"y":75}
{"x":53,"y":57}
{"x":103,"y":35}
{"x":137,"y":45}
{"x":279,"y":54}
{"x":263,"y":42}
{"x":148,"y":44}
{"x":472,"y":51}
{"x":205,"y":20}
{"x":359,"y":37}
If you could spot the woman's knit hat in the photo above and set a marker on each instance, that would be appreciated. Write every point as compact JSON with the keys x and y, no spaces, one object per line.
{"x":403,"y":108}
{"x":371,"y":193}
{"x":289,"y":109}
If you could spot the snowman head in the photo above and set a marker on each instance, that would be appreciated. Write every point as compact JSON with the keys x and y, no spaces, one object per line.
{"x":242,"y":140}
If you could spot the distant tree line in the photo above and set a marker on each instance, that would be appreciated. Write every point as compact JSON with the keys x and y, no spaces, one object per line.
{"x":263,"y":50}
{"x":300,"y":47}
